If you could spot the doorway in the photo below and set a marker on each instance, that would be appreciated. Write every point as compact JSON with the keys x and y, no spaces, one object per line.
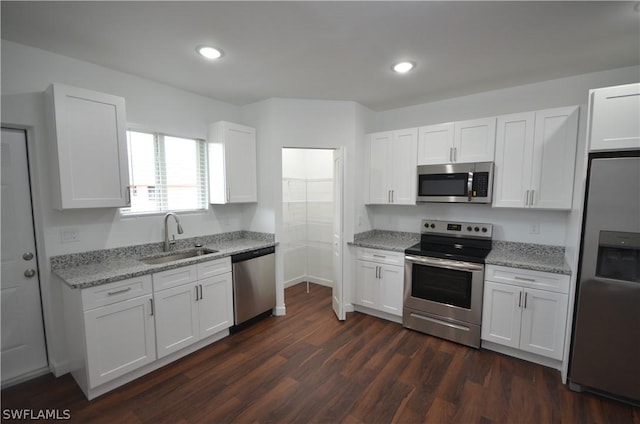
{"x":307,"y":216}
{"x":23,"y":348}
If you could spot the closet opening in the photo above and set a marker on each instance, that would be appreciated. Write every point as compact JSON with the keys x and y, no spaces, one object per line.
{"x":307,"y":216}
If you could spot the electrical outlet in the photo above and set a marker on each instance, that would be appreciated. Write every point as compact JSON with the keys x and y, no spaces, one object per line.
{"x":70,"y":235}
{"x":535,"y":229}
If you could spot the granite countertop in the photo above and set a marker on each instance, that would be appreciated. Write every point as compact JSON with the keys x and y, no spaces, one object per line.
{"x":90,"y":269}
{"x":537,"y":257}
{"x":395,"y":241}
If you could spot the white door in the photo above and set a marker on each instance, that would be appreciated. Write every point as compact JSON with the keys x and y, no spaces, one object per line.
{"x":176,"y":315}
{"x":23,"y":345}
{"x":120,"y":338}
{"x":379,"y":168}
{"x":338,"y":287}
{"x":513,"y":158}
{"x":215,"y":306}
{"x":502,"y":314}
{"x":544,"y":317}
{"x":474,"y":141}
{"x":554,"y":158}
{"x":435,"y":143}
{"x":403,"y":167}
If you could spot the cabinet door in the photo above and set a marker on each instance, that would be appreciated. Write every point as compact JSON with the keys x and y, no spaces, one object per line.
{"x":176,"y":318}
{"x":501,"y":314}
{"x":91,"y":146}
{"x":475,"y":140}
{"x":379,"y":168}
{"x":554,"y":158}
{"x":391,"y":289}
{"x":403,"y":167}
{"x":120,"y":338}
{"x":614,"y":118}
{"x":435,"y":143}
{"x":544,"y":320}
{"x":513,"y":159}
{"x":232,"y":163}
{"x":368,"y":287}
{"x":215,"y":306}
{"x":240,"y":164}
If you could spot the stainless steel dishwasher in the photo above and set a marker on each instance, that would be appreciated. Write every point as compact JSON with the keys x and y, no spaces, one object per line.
{"x":254,"y":285}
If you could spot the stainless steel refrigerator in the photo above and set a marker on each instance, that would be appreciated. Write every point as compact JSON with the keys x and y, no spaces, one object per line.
{"x":605,"y":353}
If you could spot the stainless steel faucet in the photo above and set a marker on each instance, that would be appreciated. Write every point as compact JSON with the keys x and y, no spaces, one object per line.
{"x":167,"y":243}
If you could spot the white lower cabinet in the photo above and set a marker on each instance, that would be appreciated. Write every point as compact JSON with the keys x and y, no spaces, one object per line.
{"x":191,"y":309}
{"x":119,"y":331}
{"x":120,"y":338}
{"x":526,"y":310}
{"x":380,"y":280}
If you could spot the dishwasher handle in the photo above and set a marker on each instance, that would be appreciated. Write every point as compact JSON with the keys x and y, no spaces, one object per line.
{"x":245,"y":256}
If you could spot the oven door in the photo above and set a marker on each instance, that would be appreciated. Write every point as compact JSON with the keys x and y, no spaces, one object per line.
{"x":447,"y":288}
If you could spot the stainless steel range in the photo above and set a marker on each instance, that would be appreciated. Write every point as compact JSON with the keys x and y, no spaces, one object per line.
{"x":444,"y":280}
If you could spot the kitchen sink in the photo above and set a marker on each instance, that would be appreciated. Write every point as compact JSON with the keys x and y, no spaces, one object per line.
{"x":185,"y":254}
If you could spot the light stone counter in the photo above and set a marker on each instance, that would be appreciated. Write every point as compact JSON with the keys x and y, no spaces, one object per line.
{"x":386,"y":240}
{"x":89,"y":269}
{"x":537,"y":257}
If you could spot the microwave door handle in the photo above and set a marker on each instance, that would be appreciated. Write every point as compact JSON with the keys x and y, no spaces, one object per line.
{"x":470,"y":185}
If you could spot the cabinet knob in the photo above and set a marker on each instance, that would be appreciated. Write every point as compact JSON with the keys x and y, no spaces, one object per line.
{"x":27,"y":256}
{"x":30,"y":273}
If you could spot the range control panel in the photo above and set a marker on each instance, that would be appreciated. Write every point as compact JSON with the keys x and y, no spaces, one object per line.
{"x":459,"y":229}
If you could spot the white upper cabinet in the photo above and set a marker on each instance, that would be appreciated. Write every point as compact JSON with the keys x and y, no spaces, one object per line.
{"x":535,"y":159}
{"x":457,"y":142}
{"x":475,"y":140}
{"x":435,"y":144}
{"x":232,"y":163}
{"x":615,"y":118}
{"x":392,"y":167}
{"x":91,"y":168}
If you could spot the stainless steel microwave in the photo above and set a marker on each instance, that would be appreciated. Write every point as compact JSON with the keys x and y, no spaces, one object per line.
{"x":456,"y":183}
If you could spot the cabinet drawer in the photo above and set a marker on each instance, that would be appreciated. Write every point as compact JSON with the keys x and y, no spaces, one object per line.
{"x":106,"y":294}
{"x":174,"y":277}
{"x":381,"y":256}
{"x":215,"y":267}
{"x":528,"y":278}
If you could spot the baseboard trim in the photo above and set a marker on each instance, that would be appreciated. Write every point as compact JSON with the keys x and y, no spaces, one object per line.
{"x":25,"y":377}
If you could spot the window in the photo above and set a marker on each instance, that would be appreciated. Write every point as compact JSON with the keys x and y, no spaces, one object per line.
{"x":166,"y":173}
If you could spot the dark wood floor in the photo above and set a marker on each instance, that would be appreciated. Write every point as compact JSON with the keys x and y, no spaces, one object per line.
{"x":308,"y":367}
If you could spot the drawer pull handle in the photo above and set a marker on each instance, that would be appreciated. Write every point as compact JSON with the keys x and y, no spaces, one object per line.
{"x":379,"y":256}
{"x":520,"y":300}
{"x":119,"y":291}
{"x":525,"y":300}
{"x":531,"y":280}
{"x":151,"y":303}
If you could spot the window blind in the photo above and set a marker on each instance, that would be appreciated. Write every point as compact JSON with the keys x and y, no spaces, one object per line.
{"x":167,"y":173}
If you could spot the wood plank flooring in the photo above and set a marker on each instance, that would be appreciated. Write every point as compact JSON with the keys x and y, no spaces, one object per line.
{"x":308,"y":367}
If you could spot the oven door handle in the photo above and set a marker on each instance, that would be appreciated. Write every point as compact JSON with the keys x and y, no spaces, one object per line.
{"x":444,"y":263}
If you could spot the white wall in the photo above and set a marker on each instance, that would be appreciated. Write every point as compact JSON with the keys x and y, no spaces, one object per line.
{"x":26,"y":73}
{"x":555,"y":227}
{"x":305,"y":124}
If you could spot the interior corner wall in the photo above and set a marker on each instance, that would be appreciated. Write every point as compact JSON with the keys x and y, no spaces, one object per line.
{"x":307,"y":124}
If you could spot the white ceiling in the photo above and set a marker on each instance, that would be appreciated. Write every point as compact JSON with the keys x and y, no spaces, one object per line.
{"x":336,"y":50}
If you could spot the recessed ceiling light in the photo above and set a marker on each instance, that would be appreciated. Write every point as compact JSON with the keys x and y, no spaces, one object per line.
{"x":209,"y":52}
{"x":403,"y":67}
